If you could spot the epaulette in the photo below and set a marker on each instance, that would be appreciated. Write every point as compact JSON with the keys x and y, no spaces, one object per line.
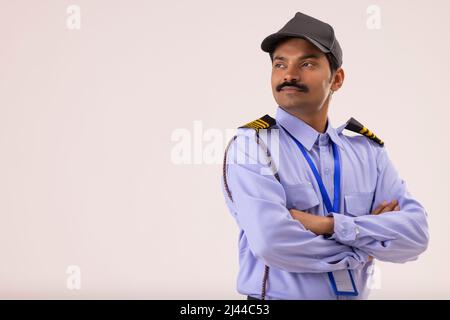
{"x":265,"y":122}
{"x":355,"y":126}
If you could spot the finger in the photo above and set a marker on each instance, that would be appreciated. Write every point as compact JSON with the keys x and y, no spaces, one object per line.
{"x":397,"y":208}
{"x":390,"y":206}
{"x":382,"y":207}
{"x":379,"y":208}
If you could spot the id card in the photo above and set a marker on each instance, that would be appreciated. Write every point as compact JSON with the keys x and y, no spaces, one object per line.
{"x":342,"y":283}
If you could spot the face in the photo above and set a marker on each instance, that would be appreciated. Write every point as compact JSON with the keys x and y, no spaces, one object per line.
{"x":299,"y":63}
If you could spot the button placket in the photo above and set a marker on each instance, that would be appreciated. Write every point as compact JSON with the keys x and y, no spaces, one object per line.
{"x":326,"y":163}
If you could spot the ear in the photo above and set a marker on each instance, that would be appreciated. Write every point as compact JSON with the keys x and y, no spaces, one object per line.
{"x":338,"y":79}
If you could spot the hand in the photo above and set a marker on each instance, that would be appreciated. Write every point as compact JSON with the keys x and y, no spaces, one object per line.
{"x":317,"y":224}
{"x":386,"y":206}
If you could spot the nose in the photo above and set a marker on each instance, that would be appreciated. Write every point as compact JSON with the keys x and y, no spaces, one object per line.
{"x":292,"y":74}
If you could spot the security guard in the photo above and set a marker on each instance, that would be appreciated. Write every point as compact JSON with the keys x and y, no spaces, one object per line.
{"x":314,"y":206}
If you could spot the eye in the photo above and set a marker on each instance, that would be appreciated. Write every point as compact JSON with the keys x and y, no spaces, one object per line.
{"x":278,"y":64}
{"x":307,"y":64}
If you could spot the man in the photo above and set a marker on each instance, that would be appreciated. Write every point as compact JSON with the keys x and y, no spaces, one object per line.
{"x":314,"y":207}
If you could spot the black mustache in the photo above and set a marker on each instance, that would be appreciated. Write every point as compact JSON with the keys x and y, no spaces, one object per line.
{"x":301,"y":87}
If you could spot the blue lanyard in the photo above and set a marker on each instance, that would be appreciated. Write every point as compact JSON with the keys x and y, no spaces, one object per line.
{"x":326,"y":199}
{"x":337,"y":175}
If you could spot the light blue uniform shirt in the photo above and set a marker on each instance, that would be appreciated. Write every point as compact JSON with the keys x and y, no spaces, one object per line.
{"x":298,"y":259}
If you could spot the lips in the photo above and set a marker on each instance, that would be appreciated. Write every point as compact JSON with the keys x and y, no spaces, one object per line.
{"x":291,"y":89}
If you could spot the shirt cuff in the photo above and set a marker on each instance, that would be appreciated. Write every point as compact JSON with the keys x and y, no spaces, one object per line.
{"x":345,"y":229}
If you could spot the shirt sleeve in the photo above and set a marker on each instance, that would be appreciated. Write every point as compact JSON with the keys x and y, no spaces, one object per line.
{"x":397,"y":236}
{"x":259,"y":206}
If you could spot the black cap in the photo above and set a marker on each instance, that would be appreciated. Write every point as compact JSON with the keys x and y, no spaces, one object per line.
{"x":319,"y":33}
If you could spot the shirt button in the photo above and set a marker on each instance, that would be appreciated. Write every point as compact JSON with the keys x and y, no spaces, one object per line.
{"x":327,"y":171}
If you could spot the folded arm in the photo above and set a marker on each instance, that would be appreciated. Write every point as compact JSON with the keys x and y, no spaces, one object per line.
{"x":259,"y":206}
{"x":392,"y":236}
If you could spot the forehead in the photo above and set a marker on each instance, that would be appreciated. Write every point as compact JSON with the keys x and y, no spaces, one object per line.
{"x":293,"y":47}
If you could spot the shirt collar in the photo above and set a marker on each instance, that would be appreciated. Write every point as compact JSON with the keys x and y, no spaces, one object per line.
{"x":302,"y":131}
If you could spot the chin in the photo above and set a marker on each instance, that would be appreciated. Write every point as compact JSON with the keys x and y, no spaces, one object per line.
{"x":293,"y":105}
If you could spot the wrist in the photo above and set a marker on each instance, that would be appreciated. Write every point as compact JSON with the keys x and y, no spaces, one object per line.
{"x":329,"y":225}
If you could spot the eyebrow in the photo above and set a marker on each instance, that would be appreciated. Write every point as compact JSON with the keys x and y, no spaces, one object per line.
{"x":313,"y":55}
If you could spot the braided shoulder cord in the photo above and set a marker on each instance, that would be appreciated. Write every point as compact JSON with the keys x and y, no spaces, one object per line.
{"x":261,"y":143}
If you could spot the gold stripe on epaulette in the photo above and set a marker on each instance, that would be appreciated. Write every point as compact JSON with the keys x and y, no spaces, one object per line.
{"x":265,"y":124}
{"x":370,"y":135}
{"x":256,"y":125}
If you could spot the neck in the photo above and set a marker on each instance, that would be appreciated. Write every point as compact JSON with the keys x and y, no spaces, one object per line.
{"x":317,"y":120}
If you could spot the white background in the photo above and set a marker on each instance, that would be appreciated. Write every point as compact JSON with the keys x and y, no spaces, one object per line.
{"x":86,"y":119}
